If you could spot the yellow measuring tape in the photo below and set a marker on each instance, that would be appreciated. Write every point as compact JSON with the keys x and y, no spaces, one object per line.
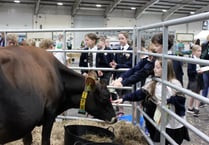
{"x":84,"y":96}
{"x":83,"y":102}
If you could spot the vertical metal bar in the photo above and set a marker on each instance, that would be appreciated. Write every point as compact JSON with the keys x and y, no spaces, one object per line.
{"x":139,"y":38}
{"x":164,"y":77}
{"x":64,"y":35}
{"x":138,"y":46}
{"x":134,"y":46}
{"x":5,"y":38}
{"x":133,"y":64}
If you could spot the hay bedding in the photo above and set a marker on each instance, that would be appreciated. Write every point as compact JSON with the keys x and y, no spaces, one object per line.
{"x":96,"y":138}
{"x":125,"y":133}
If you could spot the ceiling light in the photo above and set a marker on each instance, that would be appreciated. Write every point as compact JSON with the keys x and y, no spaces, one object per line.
{"x":163,"y":10}
{"x":133,"y":8}
{"x":98,"y":5}
{"x":16,"y":1}
{"x":192,"y":13}
{"x":59,"y":4}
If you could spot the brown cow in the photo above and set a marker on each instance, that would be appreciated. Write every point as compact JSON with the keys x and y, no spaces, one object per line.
{"x":35,"y":87}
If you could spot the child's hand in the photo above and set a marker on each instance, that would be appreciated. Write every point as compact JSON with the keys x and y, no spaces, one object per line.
{"x":113,"y":64}
{"x":100,"y":73}
{"x":118,"y":101}
{"x":199,"y":71}
{"x":116,"y":83}
{"x":85,"y":74}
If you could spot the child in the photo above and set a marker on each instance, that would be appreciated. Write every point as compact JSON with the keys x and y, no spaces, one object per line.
{"x":122,"y":60}
{"x":195,"y":83}
{"x":103,"y":60}
{"x":89,"y":59}
{"x":150,"y":94}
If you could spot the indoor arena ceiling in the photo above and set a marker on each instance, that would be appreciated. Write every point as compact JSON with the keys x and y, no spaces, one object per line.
{"x":165,"y":7}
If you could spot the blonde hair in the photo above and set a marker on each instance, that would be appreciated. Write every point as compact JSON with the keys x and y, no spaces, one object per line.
{"x":170,"y":74}
{"x":195,"y":47}
{"x":13,"y":38}
{"x":208,"y":37}
{"x":31,"y":42}
{"x":46,"y":43}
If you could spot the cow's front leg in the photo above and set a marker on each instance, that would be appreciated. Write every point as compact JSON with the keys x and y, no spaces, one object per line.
{"x":27,"y":140}
{"x":46,"y":130}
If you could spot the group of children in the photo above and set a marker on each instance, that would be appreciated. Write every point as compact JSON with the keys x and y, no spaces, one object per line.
{"x":150,"y":92}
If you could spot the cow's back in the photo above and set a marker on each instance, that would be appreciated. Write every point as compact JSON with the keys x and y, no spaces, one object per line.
{"x":31,"y":69}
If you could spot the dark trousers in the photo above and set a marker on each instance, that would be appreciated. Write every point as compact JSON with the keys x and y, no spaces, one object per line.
{"x":206,"y":84}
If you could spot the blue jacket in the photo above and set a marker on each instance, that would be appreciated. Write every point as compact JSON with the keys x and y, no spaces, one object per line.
{"x":177,"y":66}
{"x":141,"y":95}
{"x":84,"y":60}
{"x":138,"y":95}
{"x":104,"y":59}
{"x":192,"y":72}
{"x":2,"y":42}
{"x":140,"y":72}
{"x":123,"y":60}
{"x":179,"y":102}
{"x":144,"y":68}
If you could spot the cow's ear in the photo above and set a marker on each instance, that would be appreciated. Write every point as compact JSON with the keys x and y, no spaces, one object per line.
{"x":90,"y":83}
{"x":93,"y":74}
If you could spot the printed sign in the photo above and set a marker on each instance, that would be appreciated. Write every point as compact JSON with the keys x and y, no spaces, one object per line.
{"x":205,"y":25}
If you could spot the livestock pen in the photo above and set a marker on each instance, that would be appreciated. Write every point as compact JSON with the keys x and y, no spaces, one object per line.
{"x":138,"y":33}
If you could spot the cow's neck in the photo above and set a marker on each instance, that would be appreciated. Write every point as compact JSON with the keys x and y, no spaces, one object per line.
{"x":83,"y":95}
{"x":74,"y":84}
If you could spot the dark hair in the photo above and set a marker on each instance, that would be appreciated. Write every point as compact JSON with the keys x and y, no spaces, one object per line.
{"x":158,"y":38}
{"x":92,"y":36}
{"x":142,"y":42}
{"x":126,"y":35}
{"x":102,"y":38}
{"x":197,"y":42}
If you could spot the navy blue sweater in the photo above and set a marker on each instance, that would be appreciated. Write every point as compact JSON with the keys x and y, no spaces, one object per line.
{"x":123,"y":60}
{"x":140,"y":72}
{"x":140,"y":95}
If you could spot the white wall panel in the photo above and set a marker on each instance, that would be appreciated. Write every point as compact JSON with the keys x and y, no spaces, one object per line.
{"x":13,"y":17}
{"x":52,"y":21}
{"x":120,"y":22}
{"x":22,"y":17}
{"x":146,"y":19}
{"x":55,"y":10}
{"x":86,"y":22}
{"x":195,"y":27}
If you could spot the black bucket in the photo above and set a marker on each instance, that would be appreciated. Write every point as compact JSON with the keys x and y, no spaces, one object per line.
{"x":73,"y":133}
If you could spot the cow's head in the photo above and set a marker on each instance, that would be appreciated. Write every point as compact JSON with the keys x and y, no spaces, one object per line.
{"x":98,"y":101}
